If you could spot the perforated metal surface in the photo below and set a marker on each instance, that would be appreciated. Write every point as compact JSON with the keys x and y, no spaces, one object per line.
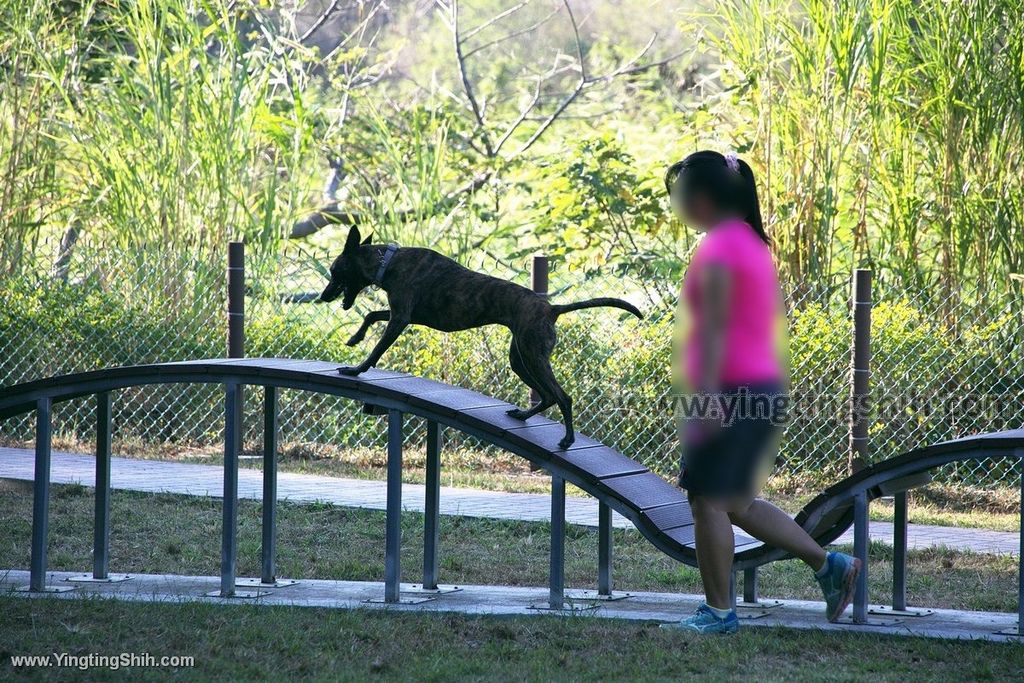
{"x":404,"y":387}
{"x":602,"y":462}
{"x":643,"y":491}
{"x":670,"y":516}
{"x":453,"y":401}
{"x":548,"y":436}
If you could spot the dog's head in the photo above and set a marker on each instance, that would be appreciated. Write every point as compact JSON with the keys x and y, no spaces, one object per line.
{"x":348,"y":272}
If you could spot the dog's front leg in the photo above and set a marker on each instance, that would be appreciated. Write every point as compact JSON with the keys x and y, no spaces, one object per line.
{"x":395,"y":327}
{"x":371,"y":318}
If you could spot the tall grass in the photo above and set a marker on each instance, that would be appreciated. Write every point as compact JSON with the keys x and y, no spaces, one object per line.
{"x":889,"y":133}
{"x":157,"y":126}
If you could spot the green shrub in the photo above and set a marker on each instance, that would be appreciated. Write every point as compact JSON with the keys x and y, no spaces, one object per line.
{"x":617,"y":371}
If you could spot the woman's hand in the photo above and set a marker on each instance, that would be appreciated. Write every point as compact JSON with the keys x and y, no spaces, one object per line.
{"x":710,"y":422}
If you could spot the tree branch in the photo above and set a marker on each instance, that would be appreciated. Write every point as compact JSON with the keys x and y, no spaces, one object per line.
{"x":324,"y":16}
{"x":332,"y":214}
{"x":514,"y":34}
{"x":465,"y":79}
{"x":579,"y":43}
{"x":496,"y":18}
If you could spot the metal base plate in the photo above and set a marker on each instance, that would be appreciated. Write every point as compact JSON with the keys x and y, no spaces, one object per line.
{"x":594,"y":595}
{"x":89,"y":578}
{"x":567,"y":607}
{"x":752,"y":614}
{"x":760,"y":604}
{"x":237,"y":594}
{"x":46,"y":589}
{"x":258,"y":583}
{"x":1012,"y":631}
{"x":869,"y":622}
{"x":884,"y":611}
{"x":418,"y":589}
{"x":401,"y":601}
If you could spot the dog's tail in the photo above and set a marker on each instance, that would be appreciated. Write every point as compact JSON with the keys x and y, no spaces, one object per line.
{"x":559,"y":309}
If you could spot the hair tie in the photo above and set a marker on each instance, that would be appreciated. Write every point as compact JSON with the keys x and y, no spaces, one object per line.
{"x":733,"y":162}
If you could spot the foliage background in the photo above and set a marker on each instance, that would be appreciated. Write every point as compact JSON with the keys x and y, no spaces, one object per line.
{"x":138,"y":137}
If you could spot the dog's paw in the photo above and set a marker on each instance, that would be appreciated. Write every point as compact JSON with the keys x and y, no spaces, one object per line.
{"x":517,"y":414}
{"x":350,"y":370}
{"x":566,"y":441}
{"x":354,"y":339}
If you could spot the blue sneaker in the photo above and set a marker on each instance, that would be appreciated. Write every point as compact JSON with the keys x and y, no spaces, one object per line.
{"x":705,"y":621}
{"x":838,"y":583}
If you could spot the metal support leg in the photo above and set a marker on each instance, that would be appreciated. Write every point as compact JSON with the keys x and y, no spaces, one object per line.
{"x":899,"y":607}
{"x":604,"y":591}
{"x":899,"y":564}
{"x":431,"y":519}
{"x":229,"y":534}
{"x":860,"y":550}
{"x":101,"y":530}
{"x":41,"y":501}
{"x":41,"y":496}
{"x":861,"y":541}
{"x":750,"y":586}
{"x":101,"y":524}
{"x":268,"y":573}
{"x":604,"y":550}
{"x":556,"y":575}
{"x":899,"y":547}
{"x":1018,"y":630}
{"x":751,"y":607}
{"x":431,"y":506}
{"x":268,"y":546}
{"x":393,"y":525}
{"x":393,"y":518}
{"x":1020,"y":552}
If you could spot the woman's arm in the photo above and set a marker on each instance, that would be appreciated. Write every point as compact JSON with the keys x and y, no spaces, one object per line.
{"x":715,"y":288}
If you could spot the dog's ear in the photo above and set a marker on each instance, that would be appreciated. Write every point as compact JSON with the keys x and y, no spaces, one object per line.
{"x":367,"y":240}
{"x":352,"y":243}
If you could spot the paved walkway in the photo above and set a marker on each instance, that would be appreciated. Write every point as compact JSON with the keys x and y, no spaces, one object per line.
{"x":205,"y":480}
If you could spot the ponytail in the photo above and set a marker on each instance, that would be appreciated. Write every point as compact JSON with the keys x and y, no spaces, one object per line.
{"x":753,"y":215}
{"x":727,"y":180}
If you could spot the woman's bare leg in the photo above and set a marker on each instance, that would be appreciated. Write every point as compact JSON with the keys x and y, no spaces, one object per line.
{"x":715,"y":549}
{"x":769,"y":524}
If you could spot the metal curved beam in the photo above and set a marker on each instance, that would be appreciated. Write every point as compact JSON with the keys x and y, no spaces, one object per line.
{"x":826,"y":517}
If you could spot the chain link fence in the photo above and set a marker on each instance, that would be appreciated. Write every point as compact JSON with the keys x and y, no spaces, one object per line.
{"x":943,"y":366}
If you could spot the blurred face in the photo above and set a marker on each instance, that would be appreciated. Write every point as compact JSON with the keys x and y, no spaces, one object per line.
{"x":693,"y":208}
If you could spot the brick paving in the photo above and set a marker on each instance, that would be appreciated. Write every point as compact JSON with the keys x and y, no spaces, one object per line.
{"x":205,"y":480}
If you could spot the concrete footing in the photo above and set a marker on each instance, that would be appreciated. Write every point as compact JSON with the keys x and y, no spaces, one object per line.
{"x":503,"y":600}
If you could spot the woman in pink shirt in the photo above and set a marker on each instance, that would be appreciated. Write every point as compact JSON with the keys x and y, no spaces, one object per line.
{"x":733,"y":376}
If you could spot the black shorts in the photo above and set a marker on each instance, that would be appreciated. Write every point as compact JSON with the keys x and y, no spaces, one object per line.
{"x":737,"y":458}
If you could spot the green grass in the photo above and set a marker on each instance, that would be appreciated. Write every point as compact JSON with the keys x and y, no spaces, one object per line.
{"x":246,"y":642}
{"x":994,"y":508}
{"x":162,"y":533}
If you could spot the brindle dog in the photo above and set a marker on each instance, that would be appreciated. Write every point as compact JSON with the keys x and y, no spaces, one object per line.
{"x":427,"y":288}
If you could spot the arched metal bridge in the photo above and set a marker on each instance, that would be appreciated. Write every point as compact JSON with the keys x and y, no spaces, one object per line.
{"x":659,"y":510}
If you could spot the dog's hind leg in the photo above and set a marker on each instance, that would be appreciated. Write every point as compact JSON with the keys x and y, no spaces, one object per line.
{"x":540,"y":368}
{"x":535,"y":346}
{"x":371,"y":318}
{"x":515,"y":359}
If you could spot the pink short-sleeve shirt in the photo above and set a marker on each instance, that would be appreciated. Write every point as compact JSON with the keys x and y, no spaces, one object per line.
{"x":755,"y":314}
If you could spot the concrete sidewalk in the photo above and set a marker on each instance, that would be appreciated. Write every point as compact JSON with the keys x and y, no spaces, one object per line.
{"x":205,"y":480}
{"x":506,"y":600}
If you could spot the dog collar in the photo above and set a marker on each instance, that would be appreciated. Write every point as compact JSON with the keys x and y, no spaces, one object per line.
{"x":385,"y":259}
